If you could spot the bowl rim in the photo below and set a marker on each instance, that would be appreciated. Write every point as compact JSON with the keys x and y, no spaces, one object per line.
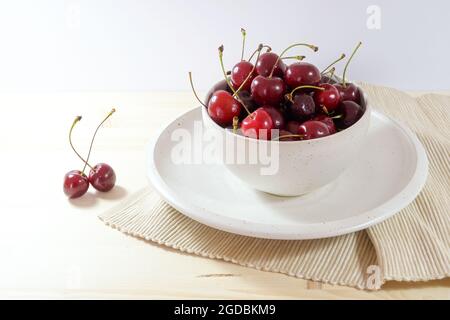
{"x":341,"y":133}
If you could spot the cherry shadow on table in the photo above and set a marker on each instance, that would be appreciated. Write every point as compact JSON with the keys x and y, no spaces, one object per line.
{"x":118,"y":192}
{"x":87,"y":200}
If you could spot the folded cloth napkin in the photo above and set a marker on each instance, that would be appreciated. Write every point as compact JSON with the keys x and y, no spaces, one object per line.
{"x":413,"y":245}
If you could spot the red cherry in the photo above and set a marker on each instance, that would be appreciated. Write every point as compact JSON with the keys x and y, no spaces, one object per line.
{"x":302,"y":73}
{"x":349,"y":92}
{"x":302,"y":106}
{"x":222,"y":107}
{"x":75,"y":184}
{"x":328,"y":98}
{"x":102,"y":177}
{"x":312,"y":129}
{"x":277,"y":117}
{"x":351,"y":112}
{"x":265,"y":64}
{"x":268,"y":90}
{"x":221,"y":85}
{"x":258,"y":125}
{"x":240,"y":72}
{"x":327,"y":120}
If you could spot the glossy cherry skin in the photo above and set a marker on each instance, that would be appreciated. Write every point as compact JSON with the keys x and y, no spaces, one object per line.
{"x":328,"y":98}
{"x":266,"y":62}
{"x":292,"y":126}
{"x":268,"y":91}
{"x":303,"y":106}
{"x":102,"y":177}
{"x":240,"y":72}
{"x":222,"y":107}
{"x":277,"y":117}
{"x":221,"y":85}
{"x":327,"y":120}
{"x":351,"y":112}
{"x":302,"y":73}
{"x":312,"y":129}
{"x":349,"y":92}
{"x":76,"y":183}
{"x":258,"y":125}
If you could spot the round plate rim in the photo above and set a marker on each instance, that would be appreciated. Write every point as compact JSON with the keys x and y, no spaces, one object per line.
{"x":238,"y":226}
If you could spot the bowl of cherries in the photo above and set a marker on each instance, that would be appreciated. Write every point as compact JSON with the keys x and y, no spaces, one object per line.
{"x":311,"y":122}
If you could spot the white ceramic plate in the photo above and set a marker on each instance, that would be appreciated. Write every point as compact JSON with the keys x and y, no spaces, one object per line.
{"x":389,"y":172}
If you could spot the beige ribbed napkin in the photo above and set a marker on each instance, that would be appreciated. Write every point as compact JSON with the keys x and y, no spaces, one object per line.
{"x":413,"y":245}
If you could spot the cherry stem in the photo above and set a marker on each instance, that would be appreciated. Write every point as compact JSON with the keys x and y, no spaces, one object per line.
{"x":337,"y":117}
{"x":244,"y":34}
{"x":251,"y":72}
{"x":254,"y":52}
{"x":331,"y":74}
{"x":93,"y":137}
{"x":193,"y":90}
{"x":290,"y":136}
{"x":300,"y":58}
{"x":77,"y":119}
{"x":289,"y":95}
{"x":228,"y":80}
{"x":348,"y":62}
{"x":333,"y":63}
{"x":235,"y":123}
{"x":312,"y":47}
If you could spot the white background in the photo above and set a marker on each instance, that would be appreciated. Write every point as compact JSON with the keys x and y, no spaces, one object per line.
{"x":120,"y":45}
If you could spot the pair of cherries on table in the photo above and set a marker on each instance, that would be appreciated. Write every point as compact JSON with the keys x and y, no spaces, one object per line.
{"x":297,"y":99}
{"x":101,"y":176}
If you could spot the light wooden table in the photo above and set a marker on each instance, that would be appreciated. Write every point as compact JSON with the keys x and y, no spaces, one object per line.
{"x":54,"y":248}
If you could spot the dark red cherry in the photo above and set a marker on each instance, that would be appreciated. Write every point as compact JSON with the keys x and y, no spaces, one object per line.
{"x":265,"y":64}
{"x":76,"y":183}
{"x":268,"y":91}
{"x":328,"y":98}
{"x":277,"y":117}
{"x":240,"y":72}
{"x":248,"y":101}
{"x":257,"y":125}
{"x":222,"y":107}
{"x":292,"y":126}
{"x":303,"y":106}
{"x":327,"y":79}
{"x":349,"y":92}
{"x":302,"y":73}
{"x":327,"y":120}
{"x":351,"y":112}
{"x":102,"y":177}
{"x":312,"y":129}
{"x":221,"y":85}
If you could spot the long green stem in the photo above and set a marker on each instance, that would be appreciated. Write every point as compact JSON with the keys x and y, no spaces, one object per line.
{"x":77,"y":119}
{"x":333,"y":63}
{"x":312,"y":47}
{"x":251,"y":72}
{"x":289,"y":95}
{"x":300,"y":58}
{"x":254,"y":52}
{"x":193,"y":90}
{"x":221,"y":48}
{"x":244,"y":35}
{"x":95,"y":133}
{"x":348,"y":62}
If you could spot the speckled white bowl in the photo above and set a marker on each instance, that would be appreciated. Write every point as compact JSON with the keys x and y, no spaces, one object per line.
{"x":303,"y":166}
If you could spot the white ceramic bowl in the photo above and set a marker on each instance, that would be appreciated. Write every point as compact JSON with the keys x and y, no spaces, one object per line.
{"x":303,"y":166}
